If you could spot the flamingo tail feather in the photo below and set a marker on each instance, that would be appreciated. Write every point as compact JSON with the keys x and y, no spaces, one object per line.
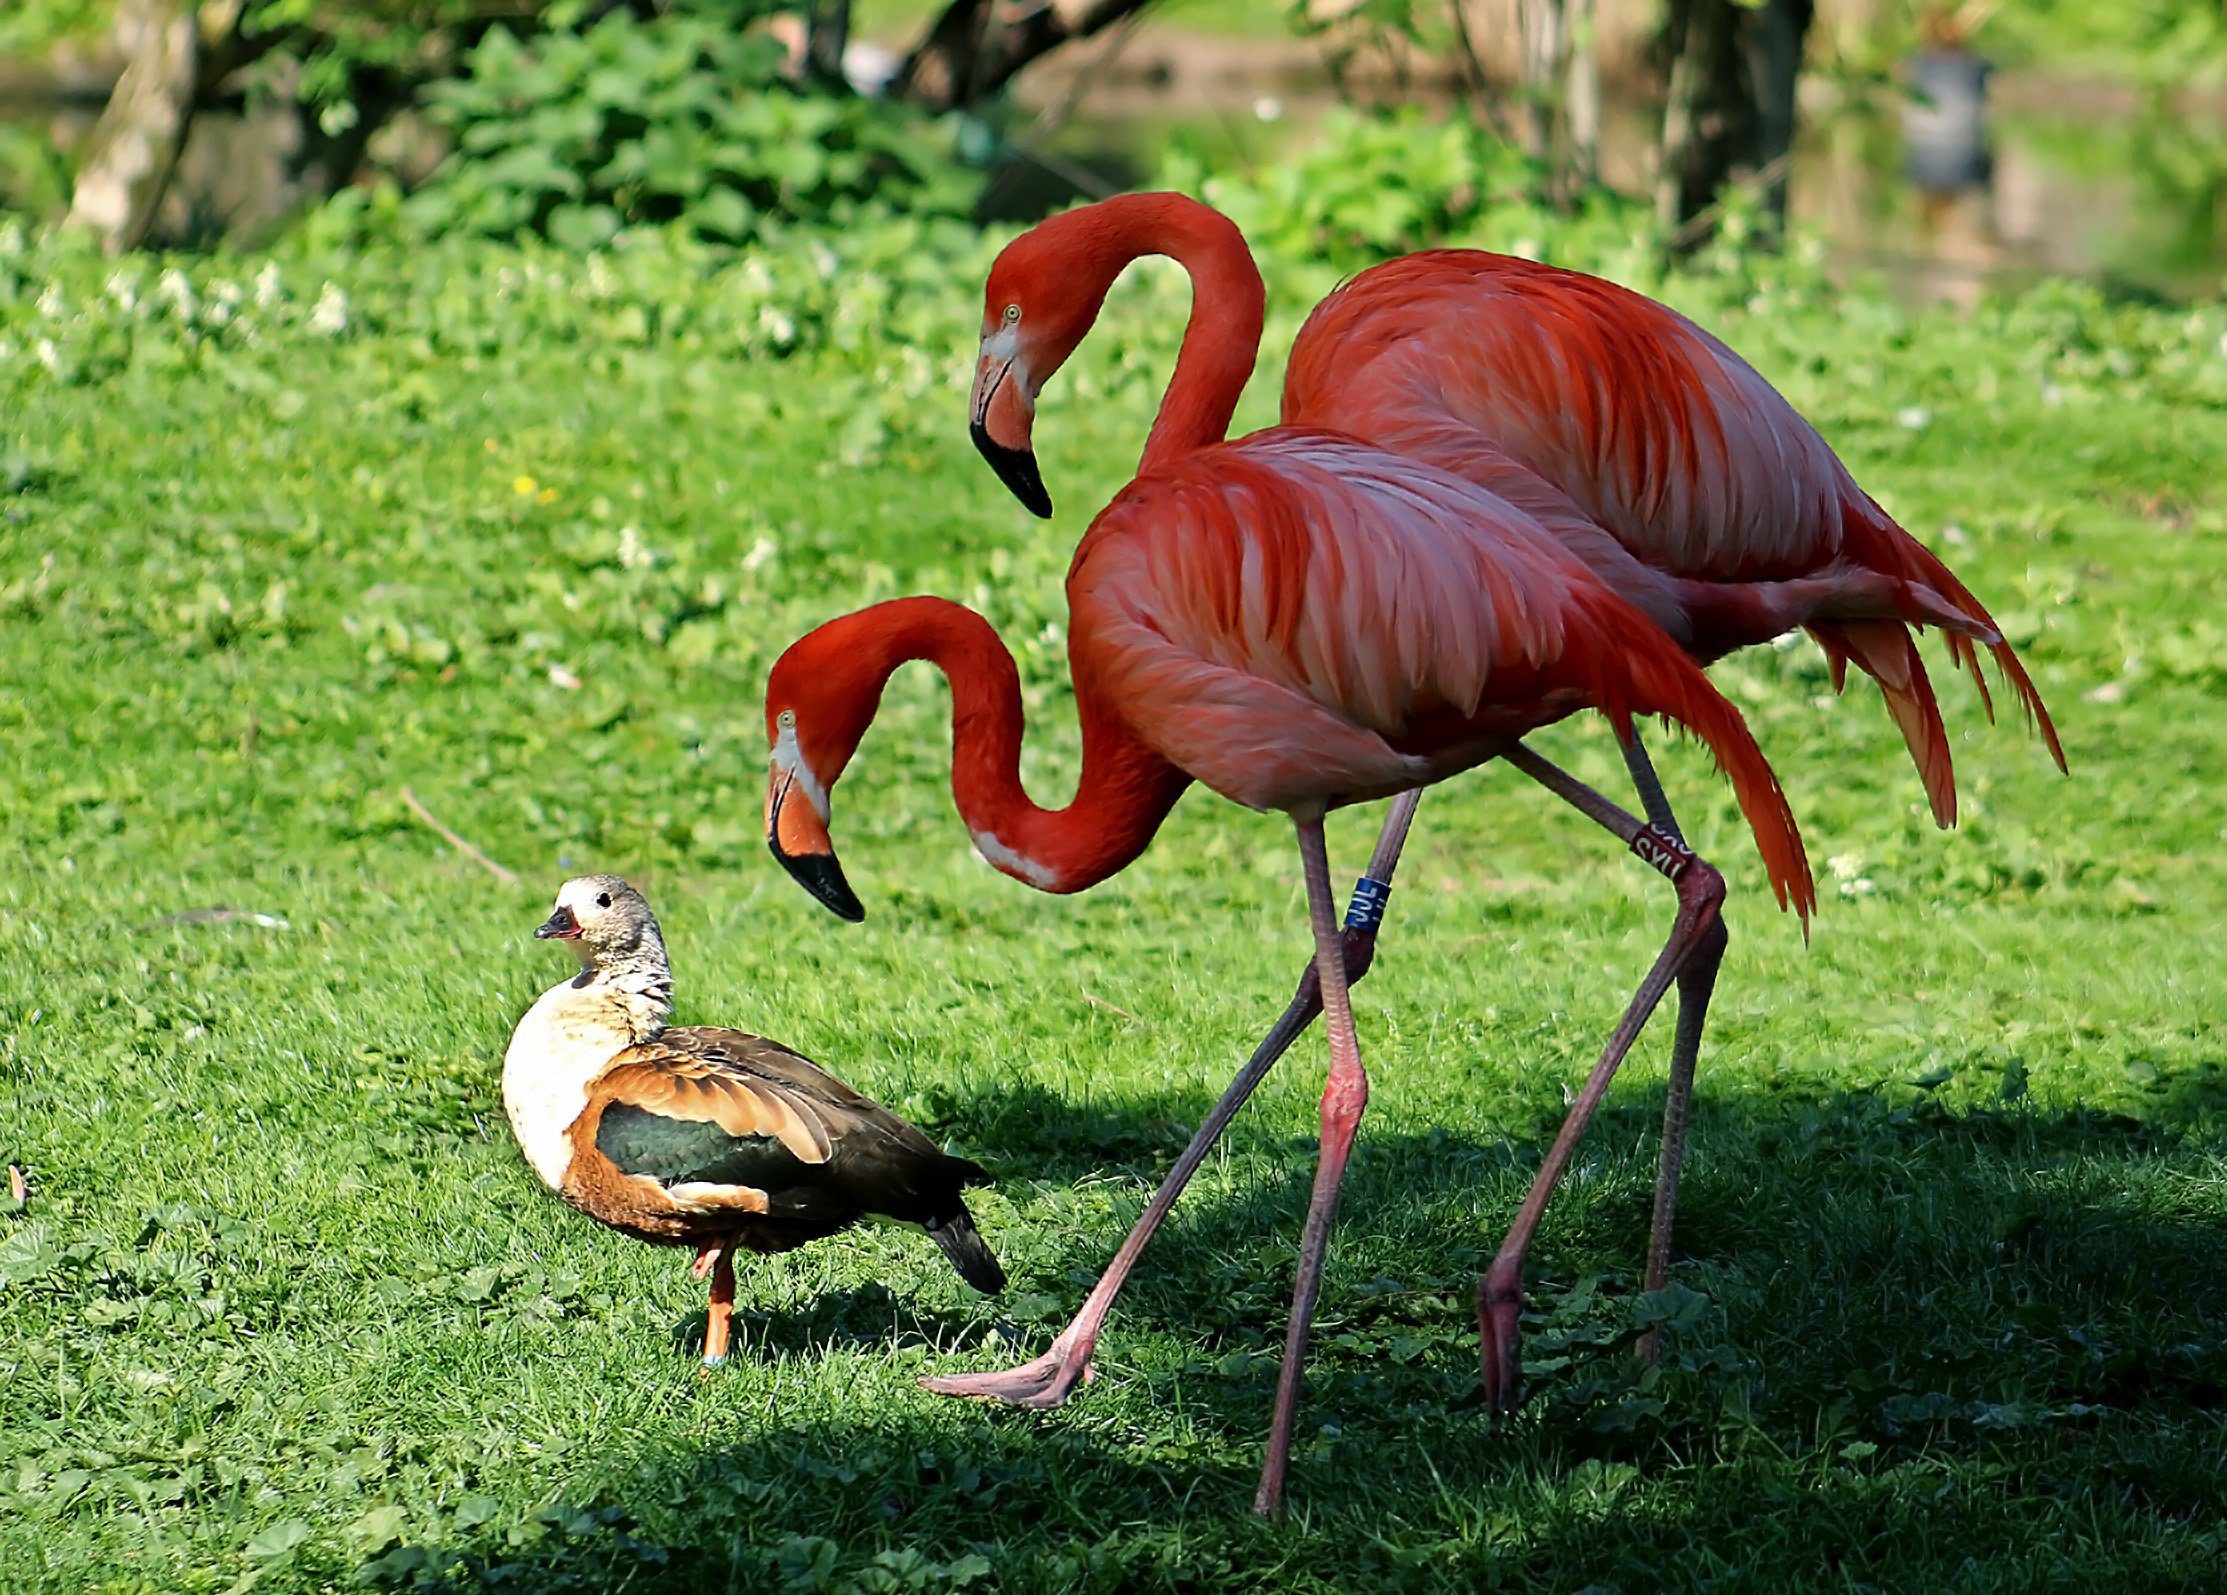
{"x":1875,"y":540}
{"x":1885,"y":651}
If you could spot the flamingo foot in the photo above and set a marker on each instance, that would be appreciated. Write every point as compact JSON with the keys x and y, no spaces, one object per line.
{"x":1500,"y":1335}
{"x":1045,"y":1382}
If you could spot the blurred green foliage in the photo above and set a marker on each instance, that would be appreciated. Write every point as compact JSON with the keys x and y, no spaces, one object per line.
{"x":30,"y":27}
{"x":676,"y":118}
{"x":1373,"y":186}
{"x":2158,"y":41}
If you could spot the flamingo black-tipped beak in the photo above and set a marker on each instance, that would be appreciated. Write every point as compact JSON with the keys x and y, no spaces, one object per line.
{"x":820,"y":875}
{"x":1016,"y":468}
{"x":798,"y":837}
{"x":560,"y":926}
{"x":1003,"y":412}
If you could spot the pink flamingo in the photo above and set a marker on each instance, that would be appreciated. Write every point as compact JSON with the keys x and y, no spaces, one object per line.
{"x":1300,"y":622}
{"x":1644,"y":445}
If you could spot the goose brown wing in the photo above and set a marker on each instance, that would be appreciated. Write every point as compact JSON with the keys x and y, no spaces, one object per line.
{"x":718,"y":1107}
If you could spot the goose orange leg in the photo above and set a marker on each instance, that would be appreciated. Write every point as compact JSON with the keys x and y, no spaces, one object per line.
{"x":719,"y":1263}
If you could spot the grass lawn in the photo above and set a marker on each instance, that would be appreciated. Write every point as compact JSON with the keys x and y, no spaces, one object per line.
{"x":286,"y":1310}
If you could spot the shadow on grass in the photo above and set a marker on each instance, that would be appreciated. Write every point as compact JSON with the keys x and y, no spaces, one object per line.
{"x":870,"y":1316}
{"x":1909,"y":1347}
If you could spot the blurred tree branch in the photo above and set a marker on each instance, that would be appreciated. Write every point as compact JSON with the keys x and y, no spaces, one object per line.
{"x":975,"y":47}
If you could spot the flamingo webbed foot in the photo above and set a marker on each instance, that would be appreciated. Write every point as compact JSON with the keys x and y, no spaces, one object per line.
{"x":1500,"y":1337}
{"x":1045,"y":1382}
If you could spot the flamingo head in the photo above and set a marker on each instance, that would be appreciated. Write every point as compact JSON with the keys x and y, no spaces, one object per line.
{"x":1044,"y":292}
{"x":819,"y":702}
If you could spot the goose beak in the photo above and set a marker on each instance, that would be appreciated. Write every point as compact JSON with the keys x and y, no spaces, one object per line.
{"x":798,"y":837}
{"x":1003,"y":414}
{"x":560,"y":926}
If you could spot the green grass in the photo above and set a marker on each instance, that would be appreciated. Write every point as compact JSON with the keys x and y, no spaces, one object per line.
{"x":286,"y":1310}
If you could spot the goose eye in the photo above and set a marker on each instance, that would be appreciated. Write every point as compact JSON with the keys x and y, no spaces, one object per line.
{"x":1012,"y":314}
{"x":786,"y":719}
{"x":603,"y":899}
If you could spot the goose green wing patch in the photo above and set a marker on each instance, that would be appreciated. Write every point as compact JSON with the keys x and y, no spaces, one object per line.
{"x":652,"y":1145}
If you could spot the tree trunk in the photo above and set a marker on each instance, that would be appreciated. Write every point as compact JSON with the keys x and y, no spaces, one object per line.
{"x":1771,"y":40}
{"x":134,"y":146}
{"x":179,"y":52}
{"x":1583,"y":97}
{"x":974,"y":47}
{"x":827,"y":34}
{"x":1543,"y":45}
{"x":1730,"y":112}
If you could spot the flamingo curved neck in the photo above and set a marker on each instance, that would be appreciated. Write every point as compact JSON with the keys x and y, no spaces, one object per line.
{"x":1125,"y":790}
{"x":1221,"y":341}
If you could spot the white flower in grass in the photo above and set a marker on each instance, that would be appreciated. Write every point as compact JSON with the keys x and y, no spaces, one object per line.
{"x":268,"y":285}
{"x":1848,"y":869}
{"x":761,"y":554}
{"x":51,"y":303}
{"x":173,"y":290}
{"x":328,"y":318}
{"x":49,"y":356}
{"x":123,"y":287}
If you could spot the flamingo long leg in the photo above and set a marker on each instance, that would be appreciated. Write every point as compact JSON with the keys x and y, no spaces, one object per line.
{"x":1700,"y":896}
{"x":1697,"y":979}
{"x":1649,"y":785}
{"x":1047,"y":1381}
{"x":717,"y":1326}
{"x":1344,"y":1095}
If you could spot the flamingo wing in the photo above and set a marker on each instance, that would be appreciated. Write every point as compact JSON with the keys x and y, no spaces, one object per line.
{"x":1300,"y":621}
{"x":1673,"y":443}
{"x":1656,"y":428}
{"x":1288,"y":605}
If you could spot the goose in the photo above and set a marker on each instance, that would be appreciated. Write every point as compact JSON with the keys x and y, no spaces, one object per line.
{"x":706,"y":1137}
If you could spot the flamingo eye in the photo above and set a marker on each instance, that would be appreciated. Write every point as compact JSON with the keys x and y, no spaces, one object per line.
{"x":786,"y":719}
{"x":1012,"y":314}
